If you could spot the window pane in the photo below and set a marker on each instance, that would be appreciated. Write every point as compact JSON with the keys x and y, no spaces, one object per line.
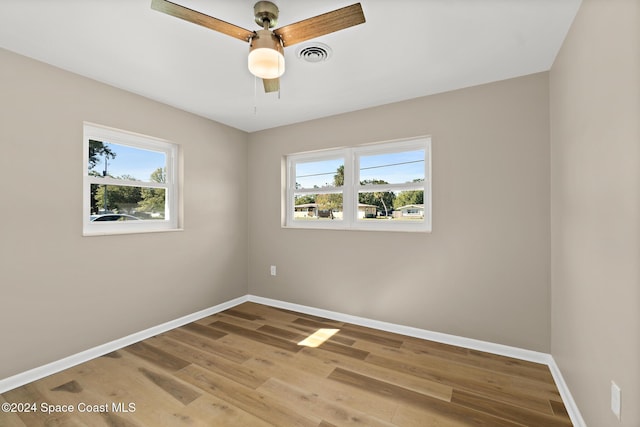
{"x":392,"y":168}
{"x":389,"y":205}
{"x":137,"y":202}
{"x":125,"y":162}
{"x":318,"y":207}
{"x":319,"y":174}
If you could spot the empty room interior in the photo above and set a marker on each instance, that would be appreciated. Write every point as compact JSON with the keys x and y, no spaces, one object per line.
{"x":486,"y":272}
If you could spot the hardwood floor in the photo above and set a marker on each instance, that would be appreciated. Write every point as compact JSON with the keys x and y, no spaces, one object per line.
{"x":244,"y":367}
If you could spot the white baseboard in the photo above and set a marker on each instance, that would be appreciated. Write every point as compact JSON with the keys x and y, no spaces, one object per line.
{"x":503,"y":350}
{"x":84,"y":356}
{"x":567,"y":398}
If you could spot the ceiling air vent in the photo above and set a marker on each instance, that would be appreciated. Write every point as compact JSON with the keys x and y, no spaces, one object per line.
{"x":314,"y":52}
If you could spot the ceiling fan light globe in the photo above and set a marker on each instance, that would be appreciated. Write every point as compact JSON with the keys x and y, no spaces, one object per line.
{"x":266,"y":63}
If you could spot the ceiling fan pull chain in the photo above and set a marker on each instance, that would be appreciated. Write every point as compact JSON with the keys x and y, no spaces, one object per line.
{"x":279,"y":69}
{"x":255,"y":95}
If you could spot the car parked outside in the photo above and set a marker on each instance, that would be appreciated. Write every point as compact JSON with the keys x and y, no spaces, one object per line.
{"x":114,"y":217}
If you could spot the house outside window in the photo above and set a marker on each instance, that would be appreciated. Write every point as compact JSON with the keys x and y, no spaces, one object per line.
{"x":384,"y":186}
{"x":130,"y":182}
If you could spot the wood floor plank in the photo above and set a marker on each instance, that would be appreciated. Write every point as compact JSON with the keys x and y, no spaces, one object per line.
{"x":506,"y":411}
{"x":559,"y":409}
{"x":496,"y":387}
{"x":380,"y":387}
{"x":239,"y":312}
{"x":419,"y":385}
{"x":107,"y":380}
{"x":418,"y":400}
{"x":32,"y":394}
{"x":444,"y":350}
{"x":123,"y":381}
{"x":273,"y":314}
{"x":354,"y":353}
{"x":273,"y":355}
{"x":256,"y":403}
{"x":368,"y":334}
{"x":183,"y":394}
{"x":412,"y":416}
{"x":71,"y":386}
{"x":203,"y":330}
{"x":156,"y":356}
{"x":9,"y":419}
{"x":256,"y":336}
{"x":317,"y":323}
{"x":305,"y":331}
{"x":233,"y":354}
{"x":114,"y":420}
{"x":496,"y":384}
{"x":22,"y":418}
{"x":208,"y":410}
{"x":518,"y":365}
{"x":62,"y":389}
{"x":286,"y":334}
{"x":466,"y":373}
{"x":310,"y":374}
{"x":235,"y":371}
{"x":238,"y":321}
{"x":313,"y":403}
{"x":483,"y":360}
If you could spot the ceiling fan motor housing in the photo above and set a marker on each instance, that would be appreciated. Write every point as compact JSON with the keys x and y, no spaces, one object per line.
{"x":266,"y":55}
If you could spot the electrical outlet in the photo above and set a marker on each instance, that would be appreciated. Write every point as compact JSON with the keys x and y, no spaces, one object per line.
{"x":615,"y":399}
{"x":273,"y":270}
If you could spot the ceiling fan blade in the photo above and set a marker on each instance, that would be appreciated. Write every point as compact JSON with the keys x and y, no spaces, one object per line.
{"x":271,"y":85}
{"x":320,"y":25}
{"x":199,"y":18}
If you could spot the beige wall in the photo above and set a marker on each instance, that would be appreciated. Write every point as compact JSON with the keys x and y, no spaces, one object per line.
{"x":595,"y":152}
{"x":484,"y":270}
{"x":61,"y":293}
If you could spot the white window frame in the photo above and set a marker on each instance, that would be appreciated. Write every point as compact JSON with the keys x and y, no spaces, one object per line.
{"x":352,"y":186}
{"x":292,"y":160}
{"x":116,"y":136}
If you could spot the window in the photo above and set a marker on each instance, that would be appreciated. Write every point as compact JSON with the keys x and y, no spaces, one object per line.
{"x":130,"y":182}
{"x":384,"y":186}
{"x":318,"y":192}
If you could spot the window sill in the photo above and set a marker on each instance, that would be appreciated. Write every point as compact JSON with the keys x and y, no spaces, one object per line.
{"x":120,"y":232}
{"x":356,"y":228}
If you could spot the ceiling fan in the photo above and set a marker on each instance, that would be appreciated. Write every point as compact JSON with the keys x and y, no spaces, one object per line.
{"x":266,"y":58}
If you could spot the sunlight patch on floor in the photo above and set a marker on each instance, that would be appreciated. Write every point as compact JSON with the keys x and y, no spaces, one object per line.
{"x":318,"y":337}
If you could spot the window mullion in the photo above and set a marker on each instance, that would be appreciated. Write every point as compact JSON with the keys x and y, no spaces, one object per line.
{"x":126,"y":183}
{"x":409,"y":186}
{"x":349,"y":208}
{"x":291,"y":178}
{"x":323,"y":190}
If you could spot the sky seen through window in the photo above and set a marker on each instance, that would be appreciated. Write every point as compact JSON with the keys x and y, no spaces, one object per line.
{"x":136,"y":162}
{"x":394,"y":168}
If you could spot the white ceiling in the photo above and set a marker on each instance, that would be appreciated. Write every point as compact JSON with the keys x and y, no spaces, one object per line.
{"x":406,"y":49}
